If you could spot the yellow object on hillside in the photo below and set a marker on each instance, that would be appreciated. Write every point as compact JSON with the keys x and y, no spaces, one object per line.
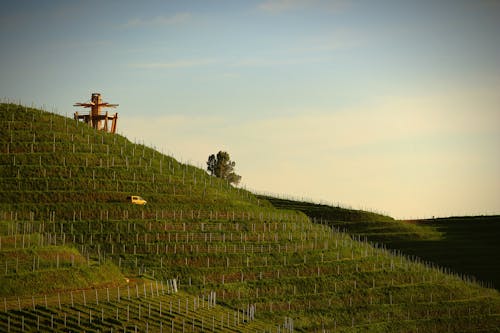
{"x":136,"y":200}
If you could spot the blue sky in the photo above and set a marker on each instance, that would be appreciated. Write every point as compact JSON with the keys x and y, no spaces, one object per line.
{"x":392,"y":106}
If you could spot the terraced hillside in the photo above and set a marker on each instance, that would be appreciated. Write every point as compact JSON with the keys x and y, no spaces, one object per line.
{"x":376,"y":227}
{"x":466,"y":245}
{"x":200,"y":256}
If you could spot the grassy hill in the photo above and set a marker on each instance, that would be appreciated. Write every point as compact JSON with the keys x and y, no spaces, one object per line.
{"x":375,"y":227}
{"x":240,"y":264}
{"x":466,"y":245}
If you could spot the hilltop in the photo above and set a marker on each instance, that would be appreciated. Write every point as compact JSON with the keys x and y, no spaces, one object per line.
{"x":201,"y":255}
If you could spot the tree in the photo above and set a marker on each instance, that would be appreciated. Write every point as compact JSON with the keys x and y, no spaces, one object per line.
{"x":221,"y":166}
{"x":211,"y":163}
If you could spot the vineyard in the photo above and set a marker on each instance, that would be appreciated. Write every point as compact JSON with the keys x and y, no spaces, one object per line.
{"x":201,"y":256}
{"x":466,"y":245}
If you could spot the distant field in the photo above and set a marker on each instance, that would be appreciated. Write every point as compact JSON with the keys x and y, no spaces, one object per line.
{"x":466,"y":245}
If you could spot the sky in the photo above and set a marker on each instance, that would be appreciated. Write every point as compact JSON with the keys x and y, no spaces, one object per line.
{"x":389,"y":106}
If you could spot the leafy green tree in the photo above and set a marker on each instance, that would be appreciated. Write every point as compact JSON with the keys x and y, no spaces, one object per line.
{"x":221,"y":166}
{"x":211,"y":163}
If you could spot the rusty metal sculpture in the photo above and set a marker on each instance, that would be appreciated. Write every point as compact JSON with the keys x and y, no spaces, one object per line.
{"x":95,"y":118}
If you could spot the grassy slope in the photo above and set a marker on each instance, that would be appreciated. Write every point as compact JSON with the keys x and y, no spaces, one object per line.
{"x":52,"y":163}
{"x":376,"y":227}
{"x":468,"y":245}
{"x":65,"y":183}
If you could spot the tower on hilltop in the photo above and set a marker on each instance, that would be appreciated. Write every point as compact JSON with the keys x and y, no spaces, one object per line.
{"x":95,"y":118}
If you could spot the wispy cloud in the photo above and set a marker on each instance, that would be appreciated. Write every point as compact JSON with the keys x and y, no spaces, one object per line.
{"x":246,"y":62}
{"x":340,"y":39}
{"x":284,"y":5}
{"x":186,"y":63}
{"x":158,"y":20}
{"x":271,"y":62}
{"x":277,"y":6}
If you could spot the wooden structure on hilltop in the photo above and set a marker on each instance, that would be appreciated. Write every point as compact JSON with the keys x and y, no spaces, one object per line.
{"x":95,"y":118}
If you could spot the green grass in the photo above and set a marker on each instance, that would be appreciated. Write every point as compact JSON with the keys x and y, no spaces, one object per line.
{"x":64,"y":186}
{"x":466,"y":245}
{"x":53,"y":280}
{"x":374,"y":226}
